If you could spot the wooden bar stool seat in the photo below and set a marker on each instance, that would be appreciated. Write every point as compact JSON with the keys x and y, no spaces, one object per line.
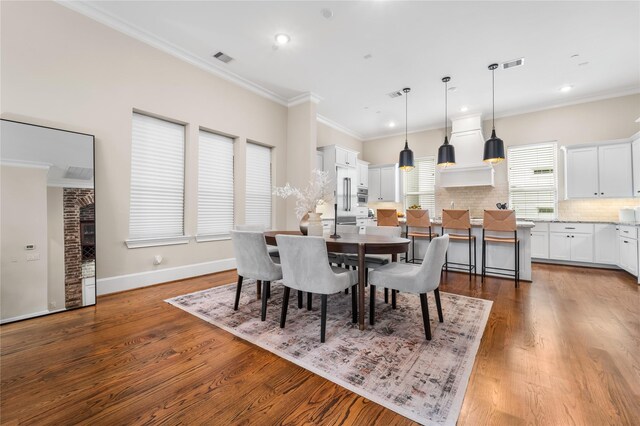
{"x":501,"y":221}
{"x":459,"y":220}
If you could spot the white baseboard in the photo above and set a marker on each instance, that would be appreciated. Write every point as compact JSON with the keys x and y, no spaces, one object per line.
{"x":143,"y":279}
{"x":25,"y":316}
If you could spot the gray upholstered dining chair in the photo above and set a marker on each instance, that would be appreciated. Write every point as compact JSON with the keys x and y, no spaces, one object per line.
{"x":253,"y":261}
{"x":410,"y":278}
{"x":302,"y":271}
{"x":273,"y":251}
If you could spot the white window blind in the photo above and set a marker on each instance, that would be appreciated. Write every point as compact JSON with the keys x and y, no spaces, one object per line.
{"x":157,"y":179}
{"x":258,"y":189}
{"x":215,"y":185}
{"x":420,"y":185}
{"x":533,"y":183}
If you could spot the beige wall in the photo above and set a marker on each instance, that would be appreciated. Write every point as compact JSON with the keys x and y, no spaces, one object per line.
{"x":23,"y":202}
{"x":576,"y":124}
{"x":64,"y":70}
{"x":55,"y":259}
{"x":330,"y":136}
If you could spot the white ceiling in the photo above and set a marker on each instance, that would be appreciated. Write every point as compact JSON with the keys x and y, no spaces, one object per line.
{"x":412,"y":44}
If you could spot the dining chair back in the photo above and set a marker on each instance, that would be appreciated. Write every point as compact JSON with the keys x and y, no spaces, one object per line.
{"x":387,"y":217}
{"x":250,"y":227}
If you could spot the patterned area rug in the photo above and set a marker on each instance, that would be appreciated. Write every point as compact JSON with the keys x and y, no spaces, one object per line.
{"x":390,"y":363}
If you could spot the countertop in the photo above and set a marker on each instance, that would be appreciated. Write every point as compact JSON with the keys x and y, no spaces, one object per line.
{"x":475,"y":222}
{"x":609,"y":222}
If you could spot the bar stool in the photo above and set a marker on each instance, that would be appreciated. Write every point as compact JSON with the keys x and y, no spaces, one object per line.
{"x":501,"y":221}
{"x":417,"y":218}
{"x":460,"y":220}
{"x":387,"y":217}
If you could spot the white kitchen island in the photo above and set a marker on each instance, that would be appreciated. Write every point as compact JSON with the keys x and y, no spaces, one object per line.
{"x":499,"y":255}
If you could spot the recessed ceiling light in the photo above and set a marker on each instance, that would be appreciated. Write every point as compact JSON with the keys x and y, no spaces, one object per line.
{"x":327,"y":13}
{"x":583,"y":63}
{"x":565,"y":89}
{"x":392,"y":124}
{"x":367,"y":56}
{"x":282,"y":39}
{"x":575,"y":55}
{"x":453,"y":88}
{"x":464,"y":109}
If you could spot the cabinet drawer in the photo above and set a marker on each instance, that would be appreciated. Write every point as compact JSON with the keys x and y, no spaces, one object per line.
{"x":628,"y":231}
{"x":541,"y":227}
{"x":573,"y":228}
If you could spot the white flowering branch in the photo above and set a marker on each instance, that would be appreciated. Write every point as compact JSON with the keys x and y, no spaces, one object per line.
{"x":319,"y":191}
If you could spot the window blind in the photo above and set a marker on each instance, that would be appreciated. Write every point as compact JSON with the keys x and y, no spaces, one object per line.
{"x":157,"y":178}
{"x":533,"y":187}
{"x":215,"y":185}
{"x":258,"y":186}
{"x":420,"y":185}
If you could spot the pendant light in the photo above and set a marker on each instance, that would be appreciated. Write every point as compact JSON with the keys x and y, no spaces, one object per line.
{"x":446,"y":152}
{"x":493,"y":147}
{"x":406,"y":155}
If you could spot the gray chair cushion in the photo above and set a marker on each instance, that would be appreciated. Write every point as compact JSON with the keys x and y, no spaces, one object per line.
{"x":252,"y":258}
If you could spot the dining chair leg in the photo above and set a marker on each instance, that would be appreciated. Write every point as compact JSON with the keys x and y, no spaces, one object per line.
{"x":346,"y":291}
{"x":386,"y":295}
{"x":285,"y":305}
{"x":469,"y":257}
{"x":323,"y":317}
{"x":309,"y":294}
{"x":268,"y":289}
{"x":258,"y":288}
{"x":299,"y":299}
{"x":263,"y":313}
{"x":238,"y":290}
{"x":393,"y":299}
{"x":425,"y":315}
{"x":483,"y":257}
{"x":372,"y":304}
{"x":354,"y":303}
{"x":436,"y":293}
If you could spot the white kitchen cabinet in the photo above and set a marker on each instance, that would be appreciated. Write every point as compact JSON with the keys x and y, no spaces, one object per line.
{"x":571,"y":241}
{"x":628,"y":248}
{"x":605,"y":245}
{"x":599,"y":171}
{"x":635,"y":148}
{"x":614,"y":170}
{"x":347,"y":158}
{"x":559,"y":246}
{"x":363,"y":174}
{"x":383,"y":183}
{"x":582,"y":172}
{"x":582,"y":248}
{"x":540,"y":244}
{"x":319,"y":160}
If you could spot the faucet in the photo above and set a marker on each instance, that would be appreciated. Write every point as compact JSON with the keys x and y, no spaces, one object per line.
{"x":453,"y":205}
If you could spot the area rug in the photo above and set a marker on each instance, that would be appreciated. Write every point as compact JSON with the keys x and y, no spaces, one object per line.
{"x":389,"y":363}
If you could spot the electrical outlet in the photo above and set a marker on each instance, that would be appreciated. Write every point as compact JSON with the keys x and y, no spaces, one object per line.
{"x":33,"y":257}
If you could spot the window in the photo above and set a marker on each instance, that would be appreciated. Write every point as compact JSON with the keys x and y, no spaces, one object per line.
{"x":215,"y":186}
{"x":420,"y":185}
{"x":533,"y":186}
{"x":258,"y":189}
{"x":156,"y":212}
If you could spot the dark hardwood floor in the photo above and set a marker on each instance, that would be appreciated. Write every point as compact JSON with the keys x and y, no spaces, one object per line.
{"x":564,"y":350}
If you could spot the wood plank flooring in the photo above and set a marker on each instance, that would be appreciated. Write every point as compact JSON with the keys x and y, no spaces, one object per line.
{"x":564,"y":350}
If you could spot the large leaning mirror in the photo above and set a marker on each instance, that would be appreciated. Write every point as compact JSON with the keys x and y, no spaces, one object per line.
{"x":47,"y":222}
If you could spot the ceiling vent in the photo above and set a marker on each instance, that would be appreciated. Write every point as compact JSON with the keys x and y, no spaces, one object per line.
{"x":223,"y":57}
{"x":513,"y":64}
{"x":395,"y":94}
{"x":80,"y":173}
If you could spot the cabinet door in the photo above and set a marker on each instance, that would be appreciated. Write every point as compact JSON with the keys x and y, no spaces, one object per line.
{"x":628,"y":255}
{"x":605,"y":244}
{"x":581,"y":173}
{"x":363,"y":175}
{"x":319,"y":161}
{"x":388,"y":183}
{"x":352,"y":159}
{"x":582,"y":247}
{"x":374,"y":185}
{"x":540,"y":244}
{"x":636,"y":167}
{"x":614,"y":170}
{"x":341,"y":156}
{"x":559,"y":246}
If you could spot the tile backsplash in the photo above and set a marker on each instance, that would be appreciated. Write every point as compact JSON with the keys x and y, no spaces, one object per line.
{"x":474,"y":198}
{"x":603,"y":209}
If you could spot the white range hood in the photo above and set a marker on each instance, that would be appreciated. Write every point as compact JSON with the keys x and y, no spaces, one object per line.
{"x":469,"y":170}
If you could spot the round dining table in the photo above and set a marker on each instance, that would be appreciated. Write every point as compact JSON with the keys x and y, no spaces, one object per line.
{"x":360,"y":244}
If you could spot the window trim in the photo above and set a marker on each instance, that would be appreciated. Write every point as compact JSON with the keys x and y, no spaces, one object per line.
{"x":134,"y":243}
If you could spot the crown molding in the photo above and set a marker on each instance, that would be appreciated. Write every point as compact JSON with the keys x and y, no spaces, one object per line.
{"x":91,"y":11}
{"x":339,"y":127}
{"x":304,"y":97}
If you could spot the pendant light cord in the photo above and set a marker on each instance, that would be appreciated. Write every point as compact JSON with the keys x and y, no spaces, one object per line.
{"x":446,"y":122}
{"x":493,"y":98}
{"x":406,"y":117}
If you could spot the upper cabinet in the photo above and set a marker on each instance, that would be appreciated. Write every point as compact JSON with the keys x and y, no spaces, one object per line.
{"x":601,"y":171}
{"x":346,"y":158}
{"x":363,"y":174}
{"x":635,"y":148}
{"x":384,"y":183}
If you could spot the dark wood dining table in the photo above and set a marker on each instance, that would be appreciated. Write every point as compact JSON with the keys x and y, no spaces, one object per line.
{"x":360,"y":244}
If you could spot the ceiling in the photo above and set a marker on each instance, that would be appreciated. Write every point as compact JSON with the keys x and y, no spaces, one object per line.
{"x":411,"y":44}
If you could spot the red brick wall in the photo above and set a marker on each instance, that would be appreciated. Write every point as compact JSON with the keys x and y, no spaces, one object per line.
{"x":73,"y":199}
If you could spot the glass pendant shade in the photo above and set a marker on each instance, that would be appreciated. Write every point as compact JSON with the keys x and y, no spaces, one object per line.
{"x":493,"y":149}
{"x":446,"y":154}
{"x":406,"y":158}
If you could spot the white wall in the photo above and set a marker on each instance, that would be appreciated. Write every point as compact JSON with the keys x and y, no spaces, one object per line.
{"x":329,"y":136}
{"x":23,"y":199}
{"x":55,"y":259}
{"x":62,"y":69}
